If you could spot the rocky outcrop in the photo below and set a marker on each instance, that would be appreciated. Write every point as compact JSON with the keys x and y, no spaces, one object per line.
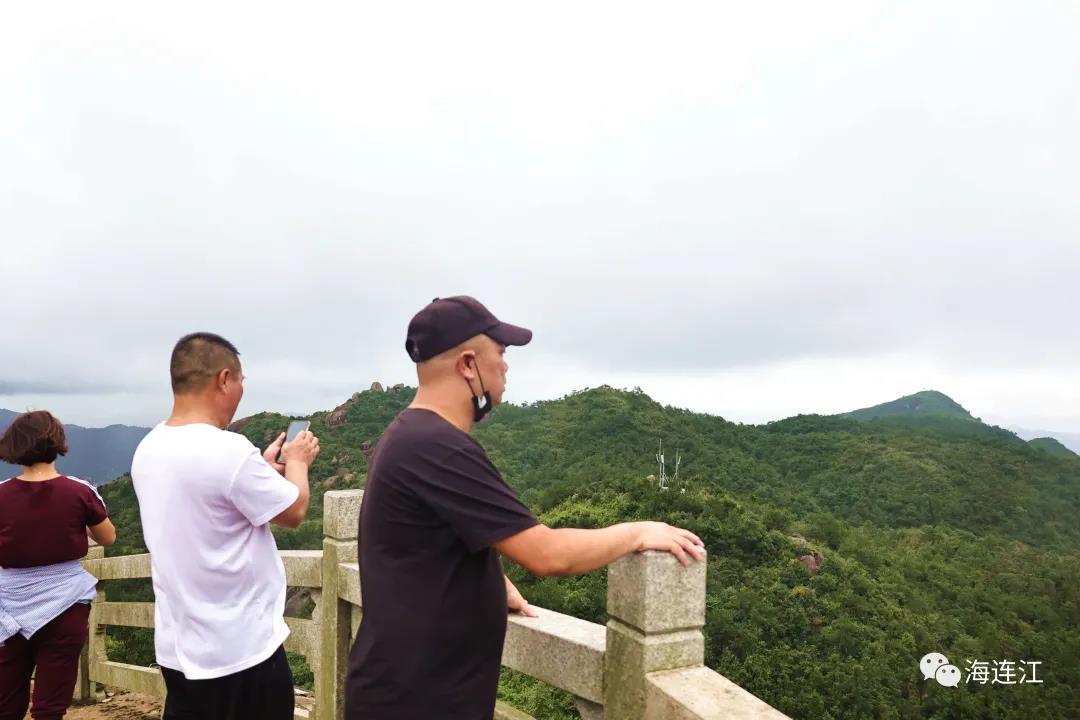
{"x":238,"y":425}
{"x":799,"y":540}
{"x":812,"y":563}
{"x":298,"y":602}
{"x":338,"y":416}
{"x":341,"y":476}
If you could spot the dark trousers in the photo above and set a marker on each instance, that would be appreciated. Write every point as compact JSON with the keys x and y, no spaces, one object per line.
{"x":54,"y":651}
{"x":264,"y":691}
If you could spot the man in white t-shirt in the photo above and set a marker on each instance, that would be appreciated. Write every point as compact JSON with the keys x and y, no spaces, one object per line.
{"x":207,"y":497}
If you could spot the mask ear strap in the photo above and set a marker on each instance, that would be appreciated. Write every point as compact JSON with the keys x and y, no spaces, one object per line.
{"x":476,"y":367}
{"x":483,"y":390}
{"x":482,"y":402}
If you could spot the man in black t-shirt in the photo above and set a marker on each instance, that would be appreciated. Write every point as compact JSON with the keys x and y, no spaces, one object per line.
{"x":435,"y":517}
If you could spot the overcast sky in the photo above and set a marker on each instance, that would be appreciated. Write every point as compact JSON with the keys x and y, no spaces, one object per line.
{"x":748,"y":209}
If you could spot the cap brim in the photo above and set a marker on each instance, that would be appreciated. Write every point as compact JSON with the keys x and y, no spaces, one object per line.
{"x":507,"y":334}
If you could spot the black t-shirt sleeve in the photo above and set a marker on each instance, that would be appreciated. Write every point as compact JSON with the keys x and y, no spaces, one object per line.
{"x":469,"y":494}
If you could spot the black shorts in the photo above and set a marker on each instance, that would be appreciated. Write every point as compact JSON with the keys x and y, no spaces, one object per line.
{"x":264,"y":691}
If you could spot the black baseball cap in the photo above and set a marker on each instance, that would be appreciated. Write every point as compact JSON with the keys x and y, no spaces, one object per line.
{"x":448,"y":322}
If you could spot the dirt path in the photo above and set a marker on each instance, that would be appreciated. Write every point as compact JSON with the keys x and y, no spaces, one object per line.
{"x":121,"y":706}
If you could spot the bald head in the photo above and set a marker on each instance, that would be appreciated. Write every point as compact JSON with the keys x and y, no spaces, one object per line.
{"x":465,"y":382}
{"x":445,"y":365}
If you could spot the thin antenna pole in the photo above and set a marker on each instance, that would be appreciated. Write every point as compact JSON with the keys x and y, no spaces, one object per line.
{"x":660,"y":460}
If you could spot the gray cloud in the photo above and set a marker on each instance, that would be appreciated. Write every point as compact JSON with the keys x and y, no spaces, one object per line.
{"x":47,"y":387}
{"x":699,"y":194}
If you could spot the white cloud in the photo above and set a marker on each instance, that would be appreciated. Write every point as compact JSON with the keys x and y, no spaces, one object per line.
{"x":754,"y":199}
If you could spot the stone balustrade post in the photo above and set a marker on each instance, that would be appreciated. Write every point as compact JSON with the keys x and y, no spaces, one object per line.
{"x":657,"y":609}
{"x":341,"y":518}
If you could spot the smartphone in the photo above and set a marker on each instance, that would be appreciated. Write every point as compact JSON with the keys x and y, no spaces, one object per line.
{"x":295,"y":428}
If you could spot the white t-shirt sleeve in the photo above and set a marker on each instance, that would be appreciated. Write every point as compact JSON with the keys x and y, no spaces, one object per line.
{"x":259,"y":491}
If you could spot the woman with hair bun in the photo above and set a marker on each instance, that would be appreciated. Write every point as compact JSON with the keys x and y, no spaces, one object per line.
{"x":45,"y":593}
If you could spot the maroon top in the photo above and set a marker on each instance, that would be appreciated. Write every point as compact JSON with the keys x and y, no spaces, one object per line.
{"x":42,"y":523}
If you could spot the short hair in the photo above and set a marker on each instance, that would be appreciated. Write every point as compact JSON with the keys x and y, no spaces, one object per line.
{"x":197,"y":358}
{"x":33,"y":437}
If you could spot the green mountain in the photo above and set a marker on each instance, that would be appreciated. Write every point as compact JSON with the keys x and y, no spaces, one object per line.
{"x":1052,"y":446}
{"x":932,"y":538}
{"x":921,"y":404}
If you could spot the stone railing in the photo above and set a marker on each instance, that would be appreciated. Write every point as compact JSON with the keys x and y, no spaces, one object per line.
{"x":646,"y":664}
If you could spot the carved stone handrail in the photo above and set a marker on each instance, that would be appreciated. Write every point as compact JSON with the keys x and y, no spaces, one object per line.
{"x":561,"y":650}
{"x":646,"y":664}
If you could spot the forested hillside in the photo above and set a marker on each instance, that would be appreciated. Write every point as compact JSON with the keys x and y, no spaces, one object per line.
{"x":929,"y":532}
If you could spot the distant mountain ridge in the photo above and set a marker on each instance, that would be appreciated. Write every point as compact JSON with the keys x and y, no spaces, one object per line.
{"x":1052,"y":446}
{"x":1070,"y":440}
{"x":931,"y":409}
{"x":96,"y":455}
{"x":927,"y":402}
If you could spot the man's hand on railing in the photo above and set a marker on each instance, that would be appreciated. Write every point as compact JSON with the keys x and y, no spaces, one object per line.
{"x":572,"y":551}
{"x":683,"y":544}
{"x":515,"y":602}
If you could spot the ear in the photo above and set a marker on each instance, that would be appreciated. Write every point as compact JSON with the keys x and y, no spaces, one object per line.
{"x":466,"y":364}
{"x":223,"y":377}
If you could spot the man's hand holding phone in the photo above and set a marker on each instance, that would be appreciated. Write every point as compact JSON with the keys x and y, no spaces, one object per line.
{"x":277,"y":455}
{"x":292,"y":455}
{"x":303,"y":449}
